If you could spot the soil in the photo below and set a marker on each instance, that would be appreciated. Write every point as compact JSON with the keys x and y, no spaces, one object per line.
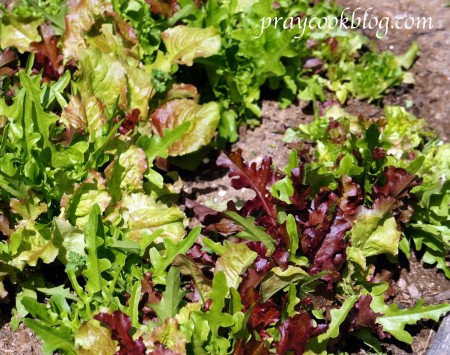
{"x":22,"y":341}
{"x":431,"y":89}
{"x":427,"y":98}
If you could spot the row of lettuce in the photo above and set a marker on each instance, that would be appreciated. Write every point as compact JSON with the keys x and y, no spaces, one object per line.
{"x":143,"y":47}
{"x":95,"y":249}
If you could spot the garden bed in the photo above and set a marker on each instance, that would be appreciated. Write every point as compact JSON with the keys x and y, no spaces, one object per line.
{"x":427,"y":98}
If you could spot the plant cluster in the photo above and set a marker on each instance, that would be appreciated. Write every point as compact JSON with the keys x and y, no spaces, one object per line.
{"x":96,"y":254}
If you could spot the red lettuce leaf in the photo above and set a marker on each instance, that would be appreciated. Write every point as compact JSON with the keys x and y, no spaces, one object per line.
{"x":331,"y":254}
{"x":130,"y":121}
{"x":213,"y":220}
{"x":119,"y":325}
{"x":167,"y":8}
{"x":395,"y":194}
{"x":252,"y":177}
{"x":398,"y":183}
{"x":8,"y":62}
{"x":149,"y":295}
{"x":295,"y":333}
{"x":263,"y":315}
{"x":47,"y":53}
{"x":253,"y":347}
{"x":352,"y":196}
{"x":365,"y":317}
{"x":163,"y":7}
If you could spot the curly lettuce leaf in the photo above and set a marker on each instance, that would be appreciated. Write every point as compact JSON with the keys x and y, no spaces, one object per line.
{"x":19,"y":32}
{"x":142,"y":213}
{"x":127,"y":173}
{"x":375,"y":235}
{"x":184,"y":44}
{"x":31,"y":242}
{"x":93,"y":338}
{"x":394,"y":319}
{"x":203,"y":119}
{"x":79,"y":21}
{"x":54,"y":338}
{"x":234,"y":261}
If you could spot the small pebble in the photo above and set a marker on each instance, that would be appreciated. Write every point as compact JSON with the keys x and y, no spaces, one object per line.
{"x":402,"y":284}
{"x":414,"y":292}
{"x":443,"y":296}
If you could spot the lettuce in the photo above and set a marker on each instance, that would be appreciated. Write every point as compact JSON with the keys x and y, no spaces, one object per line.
{"x":19,"y":32}
{"x":203,"y":121}
{"x":184,"y":44}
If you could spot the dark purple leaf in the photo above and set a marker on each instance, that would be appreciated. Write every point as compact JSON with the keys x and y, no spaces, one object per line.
{"x":263,"y":314}
{"x":148,"y":296}
{"x":253,"y":347}
{"x":331,"y":254}
{"x":366,"y":317}
{"x":398,"y":183}
{"x":250,"y":176}
{"x":352,"y":196}
{"x":8,"y":62}
{"x":295,"y":333}
{"x":119,"y":325}
{"x":47,"y":53}
{"x":130,"y":121}
{"x":213,"y":221}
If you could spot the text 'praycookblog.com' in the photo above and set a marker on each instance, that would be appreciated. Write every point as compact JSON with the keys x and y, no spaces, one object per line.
{"x":359,"y":18}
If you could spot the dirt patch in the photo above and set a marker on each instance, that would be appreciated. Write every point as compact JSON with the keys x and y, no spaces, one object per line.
{"x":23,"y":341}
{"x":212,"y":185}
{"x":431,"y":90}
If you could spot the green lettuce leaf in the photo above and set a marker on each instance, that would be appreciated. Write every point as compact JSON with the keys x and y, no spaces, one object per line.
{"x":142,"y":213}
{"x":31,"y":242}
{"x":29,"y":209}
{"x":215,"y":319}
{"x":160,"y":261}
{"x":403,"y":130}
{"x":79,"y":205}
{"x":278,"y":279}
{"x":167,"y":334}
{"x":188,"y":267}
{"x":171,"y":297}
{"x":68,"y":238}
{"x":19,"y":32}
{"x":184,"y":44}
{"x":128,"y":171}
{"x":203,"y":120}
{"x":93,"y":338}
{"x":375,"y":235}
{"x":394,"y":319}
{"x":338,"y":316}
{"x":94,"y":240}
{"x":79,"y":21}
{"x":54,"y":338}
{"x":251,"y":231}
{"x":234,"y":261}
{"x":103,"y":76}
